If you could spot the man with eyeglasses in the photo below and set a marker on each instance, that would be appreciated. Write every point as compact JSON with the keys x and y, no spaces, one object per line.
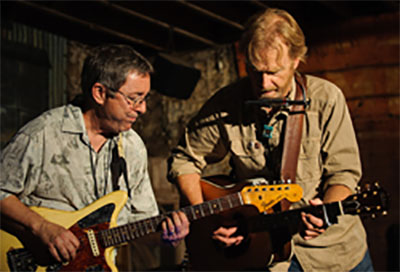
{"x":71,"y":156}
{"x":246,"y":121}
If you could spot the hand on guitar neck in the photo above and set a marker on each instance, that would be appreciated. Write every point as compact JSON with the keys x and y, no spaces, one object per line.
{"x":191,"y":189}
{"x":314,"y":226}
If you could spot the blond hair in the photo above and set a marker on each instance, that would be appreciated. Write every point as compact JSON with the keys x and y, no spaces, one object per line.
{"x":265,"y":30}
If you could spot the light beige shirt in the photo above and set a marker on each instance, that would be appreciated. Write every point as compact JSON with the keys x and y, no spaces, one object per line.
{"x":328,"y":155}
{"x":50,"y":163}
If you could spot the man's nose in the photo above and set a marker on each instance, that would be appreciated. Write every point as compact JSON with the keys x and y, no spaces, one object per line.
{"x":141,"y":107}
{"x":266,"y":81}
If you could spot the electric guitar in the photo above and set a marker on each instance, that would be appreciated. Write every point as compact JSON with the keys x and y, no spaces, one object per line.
{"x":265,"y":233}
{"x":95,"y":227}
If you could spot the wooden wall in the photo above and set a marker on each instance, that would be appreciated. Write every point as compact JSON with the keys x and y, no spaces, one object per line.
{"x":364,"y":63}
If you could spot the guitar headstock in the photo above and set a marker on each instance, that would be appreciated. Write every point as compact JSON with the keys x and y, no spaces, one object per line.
{"x":371,"y":200}
{"x":264,"y":197}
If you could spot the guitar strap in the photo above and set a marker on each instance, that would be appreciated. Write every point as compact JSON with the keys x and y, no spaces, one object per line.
{"x":290,"y":155}
{"x":293,"y":132}
{"x":118,"y":166}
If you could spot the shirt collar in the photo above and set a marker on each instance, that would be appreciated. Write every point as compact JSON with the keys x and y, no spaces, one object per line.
{"x":73,"y":120}
{"x":292,"y":92}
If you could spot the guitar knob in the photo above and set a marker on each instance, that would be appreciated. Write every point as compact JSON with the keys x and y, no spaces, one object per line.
{"x":373,"y":216}
{"x":384,"y":213}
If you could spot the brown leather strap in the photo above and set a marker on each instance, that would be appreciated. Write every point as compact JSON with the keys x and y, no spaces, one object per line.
{"x":293,"y":132}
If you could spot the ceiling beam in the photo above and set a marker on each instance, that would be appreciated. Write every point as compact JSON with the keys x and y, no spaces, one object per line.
{"x":259,"y":4}
{"x":339,"y":10}
{"x":211,"y":14}
{"x":158,"y":22}
{"x":93,"y":26}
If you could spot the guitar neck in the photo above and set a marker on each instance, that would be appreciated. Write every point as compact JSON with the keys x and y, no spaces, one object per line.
{"x":292,"y":219}
{"x":122,"y":234}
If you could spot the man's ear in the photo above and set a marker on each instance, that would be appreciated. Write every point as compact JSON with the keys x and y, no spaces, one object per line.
{"x":296,"y":63}
{"x":99,"y":93}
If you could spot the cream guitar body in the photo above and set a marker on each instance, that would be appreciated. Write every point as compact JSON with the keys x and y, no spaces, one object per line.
{"x":100,"y":215}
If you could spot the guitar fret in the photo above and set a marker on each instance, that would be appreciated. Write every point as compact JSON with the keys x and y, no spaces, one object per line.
{"x":193,"y":215}
{"x":102,"y":238}
{"x":201,"y":210}
{"x":143,"y":227}
{"x":116,"y":235}
{"x":216,"y":206}
{"x":148,"y":226}
{"x":140,"y":228}
{"x":221,"y":207}
{"x":196,"y":212}
{"x":155,"y":222}
{"x":109,"y":238}
{"x":205,"y":210}
{"x":210,"y":208}
{"x":230,"y":202}
{"x":125,"y":233}
{"x":132,"y":230}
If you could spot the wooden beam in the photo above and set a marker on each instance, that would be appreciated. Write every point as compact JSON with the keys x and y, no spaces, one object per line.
{"x":338,"y":8}
{"x":158,"y":22}
{"x":211,"y":14}
{"x":259,"y":4}
{"x":91,"y":25}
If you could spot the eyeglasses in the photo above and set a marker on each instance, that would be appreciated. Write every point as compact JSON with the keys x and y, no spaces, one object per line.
{"x":134,"y":102}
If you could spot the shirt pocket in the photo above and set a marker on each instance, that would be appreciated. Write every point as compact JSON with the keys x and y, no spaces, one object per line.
{"x":309,"y":165}
{"x":247,"y":156}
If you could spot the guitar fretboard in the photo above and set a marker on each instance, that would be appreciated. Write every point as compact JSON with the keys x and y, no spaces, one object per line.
{"x":292,"y":218}
{"x":129,"y":232}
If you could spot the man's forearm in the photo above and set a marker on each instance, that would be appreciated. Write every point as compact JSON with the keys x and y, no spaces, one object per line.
{"x":12,"y":208}
{"x":336,"y":193}
{"x":190,"y":188}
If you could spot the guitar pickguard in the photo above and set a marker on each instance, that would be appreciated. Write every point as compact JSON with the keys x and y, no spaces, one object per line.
{"x":102,"y":215}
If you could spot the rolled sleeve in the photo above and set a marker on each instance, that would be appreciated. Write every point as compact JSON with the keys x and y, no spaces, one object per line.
{"x":200,"y":145}
{"x":340,"y":152}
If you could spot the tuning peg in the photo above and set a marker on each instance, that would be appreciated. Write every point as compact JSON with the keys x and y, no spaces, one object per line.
{"x":367,"y":209}
{"x":378,"y":207}
{"x":373,"y":216}
{"x":377,"y":184}
{"x":384,"y":213}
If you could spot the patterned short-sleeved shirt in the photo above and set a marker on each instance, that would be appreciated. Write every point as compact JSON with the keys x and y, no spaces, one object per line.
{"x":50,"y":163}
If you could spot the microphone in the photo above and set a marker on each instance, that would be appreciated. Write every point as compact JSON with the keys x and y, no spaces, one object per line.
{"x":273,"y":102}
